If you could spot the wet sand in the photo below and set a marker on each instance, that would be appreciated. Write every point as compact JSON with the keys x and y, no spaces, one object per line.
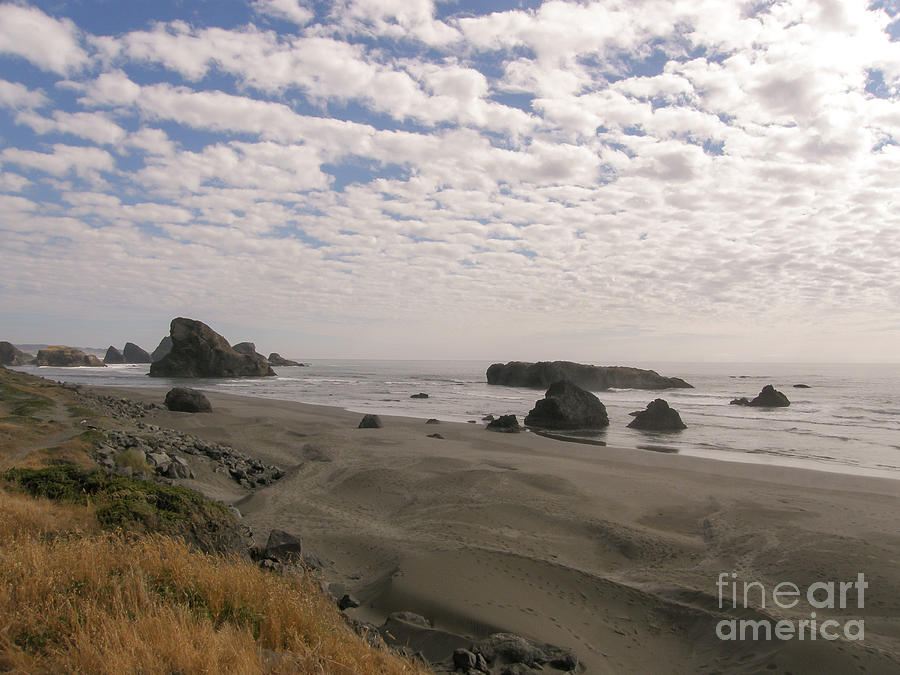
{"x":612,"y":552}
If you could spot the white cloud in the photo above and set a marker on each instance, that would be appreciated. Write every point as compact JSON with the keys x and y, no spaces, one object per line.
{"x":14,"y":95}
{"x":48,"y":43}
{"x":92,"y":126}
{"x":291,"y":10}
{"x":82,"y":161}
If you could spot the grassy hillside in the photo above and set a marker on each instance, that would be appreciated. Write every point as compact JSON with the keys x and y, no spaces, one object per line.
{"x":102,"y":574}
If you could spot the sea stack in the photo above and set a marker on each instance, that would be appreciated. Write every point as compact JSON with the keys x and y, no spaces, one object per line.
{"x":66,"y":357}
{"x":134,"y":354}
{"x":592,"y":378}
{"x":198,"y":351}
{"x":113,"y":356}
{"x":163,"y":348}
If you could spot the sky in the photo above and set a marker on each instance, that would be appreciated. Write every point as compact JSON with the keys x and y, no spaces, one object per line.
{"x":610,"y":182}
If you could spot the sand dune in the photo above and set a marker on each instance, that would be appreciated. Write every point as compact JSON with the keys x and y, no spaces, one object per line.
{"x":612,"y":552}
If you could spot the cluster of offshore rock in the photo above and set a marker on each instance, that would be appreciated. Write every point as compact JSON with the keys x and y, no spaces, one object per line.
{"x":566,"y":407}
{"x":192,"y":349}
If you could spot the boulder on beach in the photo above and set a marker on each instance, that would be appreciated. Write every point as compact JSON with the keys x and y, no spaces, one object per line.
{"x":567,"y":406}
{"x":198,"y":351}
{"x":10,"y":355}
{"x":66,"y":357}
{"x":183,"y":399}
{"x":134,"y":354}
{"x":276,"y":359}
{"x":658,"y":417}
{"x":507,"y":424}
{"x":163,"y":348}
{"x":113,"y":356}
{"x":370,"y":422}
{"x":593,"y":378}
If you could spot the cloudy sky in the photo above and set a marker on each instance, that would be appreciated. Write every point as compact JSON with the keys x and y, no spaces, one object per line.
{"x":602,"y":181}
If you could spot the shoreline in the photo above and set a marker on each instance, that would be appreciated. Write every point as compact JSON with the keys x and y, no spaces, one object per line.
{"x":759,"y":466}
{"x":611,"y":552}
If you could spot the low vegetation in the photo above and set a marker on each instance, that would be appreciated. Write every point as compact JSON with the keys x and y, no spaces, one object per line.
{"x":104,"y":574}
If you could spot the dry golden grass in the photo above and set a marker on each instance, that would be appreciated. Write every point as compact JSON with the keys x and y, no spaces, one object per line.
{"x":104,"y":603}
{"x":76,"y":599}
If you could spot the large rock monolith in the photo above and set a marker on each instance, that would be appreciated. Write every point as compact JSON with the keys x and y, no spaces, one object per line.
{"x":198,"y":351}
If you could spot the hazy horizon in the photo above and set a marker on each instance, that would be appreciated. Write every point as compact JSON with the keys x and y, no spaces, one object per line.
{"x":601,"y":182}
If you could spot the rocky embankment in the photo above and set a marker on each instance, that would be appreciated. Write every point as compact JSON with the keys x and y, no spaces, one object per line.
{"x":542,"y":374}
{"x":165,"y":450}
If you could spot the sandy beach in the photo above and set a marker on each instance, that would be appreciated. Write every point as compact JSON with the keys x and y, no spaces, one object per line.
{"x":618,"y":554}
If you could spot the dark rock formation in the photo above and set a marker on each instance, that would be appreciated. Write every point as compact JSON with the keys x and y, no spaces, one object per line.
{"x":10,"y":355}
{"x":276,"y":359}
{"x":370,"y":422}
{"x":593,"y":378}
{"x":658,"y":417}
{"x":182,"y":399}
{"x":113,"y":356}
{"x":134,"y":354}
{"x":198,"y":351}
{"x":568,"y":406}
{"x":163,"y":348}
{"x":507,"y":648}
{"x":438,"y":436}
{"x":420,"y":395}
{"x":802,"y":386}
{"x":507,"y":424}
{"x":770,"y":397}
{"x":347,"y":601}
{"x":66,"y":357}
{"x":432,"y":420}
{"x":247,"y":348}
{"x":283,"y":547}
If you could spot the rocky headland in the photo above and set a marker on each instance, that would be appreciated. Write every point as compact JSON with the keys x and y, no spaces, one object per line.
{"x":542,"y":374}
{"x":66,"y":357}
{"x":276,"y":359}
{"x":10,"y":355}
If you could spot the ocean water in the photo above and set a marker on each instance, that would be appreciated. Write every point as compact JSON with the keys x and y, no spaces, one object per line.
{"x":847,"y":421}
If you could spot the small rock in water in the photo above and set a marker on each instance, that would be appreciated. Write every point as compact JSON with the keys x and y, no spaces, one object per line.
{"x":419,"y":395}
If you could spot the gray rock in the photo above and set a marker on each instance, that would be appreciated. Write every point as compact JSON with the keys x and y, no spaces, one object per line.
{"x":507,"y":424}
{"x":419,"y":395}
{"x":113,"y":356}
{"x":658,"y":417}
{"x":567,"y":406}
{"x":770,"y":397}
{"x":438,"y":436}
{"x":276,"y":359}
{"x":347,"y":601}
{"x":432,"y":421}
{"x":594,"y":378}
{"x":198,"y":351}
{"x":411,"y":618}
{"x":370,"y":422}
{"x":164,"y":347}
{"x":464,"y":660}
{"x":66,"y":357}
{"x":283,"y":547}
{"x":10,"y":355}
{"x":184,"y":399}
{"x":134,"y":354}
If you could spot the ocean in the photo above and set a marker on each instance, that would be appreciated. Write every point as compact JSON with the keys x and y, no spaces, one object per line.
{"x":848,"y":420}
